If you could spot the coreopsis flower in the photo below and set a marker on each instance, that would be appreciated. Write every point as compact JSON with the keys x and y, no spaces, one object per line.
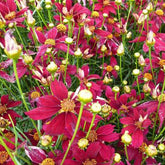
{"x":48,"y":40}
{"x":109,"y":69}
{"x":106,"y":6}
{"x":137,"y":124}
{"x":5,"y":108}
{"x":85,"y":78}
{"x":8,"y":10}
{"x":62,"y":105}
{"x":70,"y":12}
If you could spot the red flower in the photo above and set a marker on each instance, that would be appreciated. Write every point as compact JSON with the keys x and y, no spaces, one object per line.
{"x":60,"y":104}
{"x":137,"y":123}
{"x":9,"y":11}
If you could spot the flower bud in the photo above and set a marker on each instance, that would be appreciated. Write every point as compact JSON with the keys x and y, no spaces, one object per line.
{"x":61,"y":28}
{"x":120,"y":50}
{"x":30,"y":20}
{"x":52,"y":67}
{"x":12,"y":49}
{"x":89,"y":85}
{"x":45,"y":140}
{"x":136,"y":54}
{"x":48,"y":2}
{"x":116,"y":89}
{"x":151,"y":150}
{"x":95,"y":14}
{"x":129,"y":35}
{"x":78,"y":53}
{"x":126,"y":138}
{"x":3,"y":123}
{"x":136,"y":72}
{"x":116,"y":67}
{"x":106,"y":109}
{"x":118,"y":2}
{"x":51,"y":25}
{"x":127,"y":89}
{"x":28,"y":59}
{"x":48,"y":6}
{"x":103,"y":48}
{"x":150,"y":39}
{"x":85,"y":96}
{"x":161,"y":147}
{"x":124,"y":82}
{"x":96,"y":107}
{"x":117,"y":158}
{"x":145,"y":12}
{"x":83,"y":143}
{"x":105,"y":15}
{"x":146,"y":88}
{"x":149,"y":7}
{"x":69,"y":40}
{"x":141,"y":61}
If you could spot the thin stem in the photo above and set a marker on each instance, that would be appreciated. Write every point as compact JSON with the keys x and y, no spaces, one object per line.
{"x":49,"y":15}
{"x":121,"y":79}
{"x":75,"y":132}
{"x":151,"y":63}
{"x":130,"y":7}
{"x":138,"y":86}
{"x":41,"y":18}
{"x":102,"y":65}
{"x":22,"y":158}
{"x":18,"y":84}
{"x":67,"y":56}
{"x":91,"y":125}
{"x":126,"y":153}
{"x":156,"y":117}
{"x":78,"y":37}
{"x":118,"y":13}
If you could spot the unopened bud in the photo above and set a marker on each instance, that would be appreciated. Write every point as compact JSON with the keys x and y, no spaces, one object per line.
{"x":28,"y":59}
{"x":78,"y":53}
{"x":127,"y":89}
{"x":45,"y":140}
{"x":52,"y":67}
{"x":69,"y":40}
{"x":96,"y":107}
{"x":161,"y":147}
{"x":117,"y":158}
{"x":150,"y":39}
{"x":83,"y":143}
{"x":116,"y":89}
{"x":103,"y":48}
{"x":126,"y":138}
{"x":136,"y":54}
{"x":85,"y":96}
{"x":151,"y":150}
{"x":136,"y":72}
{"x":120,"y":50}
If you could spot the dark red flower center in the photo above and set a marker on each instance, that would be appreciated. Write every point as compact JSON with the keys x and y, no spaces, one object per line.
{"x":67,"y":105}
{"x":9,"y":135}
{"x":10,"y":15}
{"x":92,"y":136}
{"x":2,"y":109}
{"x":48,"y":161}
{"x":90,"y":162}
{"x":36,"y":136}
{"x":3,"y":156}
{"x":62,"y":68}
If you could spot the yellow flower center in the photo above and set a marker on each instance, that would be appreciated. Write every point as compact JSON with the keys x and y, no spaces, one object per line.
{"x":92,"y":136}
{"x":109,"y":68}
{"x":143,"y":147}
{"x":162,"y":63}
{"x":90,"y":162}
{"x":95,"y":14}
{"x":106,"y":2}
{"x":67,"y":105}
{"x":111,"y":21}
{"x":9,"y":135}
{"x":3,"y":156}
{"x":50,"y":41}
{"x":3,"y":123}
{"x":36,"y":136}
{"x":48,"y":161}
{"x":147,"y":76}
{"x":161,"y":97}
{"x":2,"y":109}
{"x":61,"y":27}
{"x":159,"y":12}
{"x":10,"y":15}
{"x":163,"y":5}
{"x":110,"y":36}
{"x":39,"y":28}
{"x":35,"y":95}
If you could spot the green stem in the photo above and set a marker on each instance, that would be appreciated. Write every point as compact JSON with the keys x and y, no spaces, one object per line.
{"x":75,"y":132}
{"x":91,"y":125}
{"x":130,"y":7}
{"x":126,"y":153}
{"x":66,"y":65}
{"x":151,"y":63}
{"x":18,"y":84}
{"x":20,"y":37}
{"x":144,"y":160}
{"x":49,"y":15}
{"x":156,"y":117}
{"x":78,"y":37}
{"x":121,"y":79}
{"x":118,"y":13}
{"x":42,"y":18}
{"x":7,"y":149}
{"x":138,"y":86}
{"x":22,"y":158}
{"x":102,"y":65}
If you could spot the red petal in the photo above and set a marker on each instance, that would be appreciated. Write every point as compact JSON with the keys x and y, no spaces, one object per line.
{"x":56,"y":126}
{"x":41,"y":113}
{"x":51,"y":33}
{"x":137,"y":138}
{"x":59,"y":90}
{"x":11,"y":4}
{"x":4,"y":99}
